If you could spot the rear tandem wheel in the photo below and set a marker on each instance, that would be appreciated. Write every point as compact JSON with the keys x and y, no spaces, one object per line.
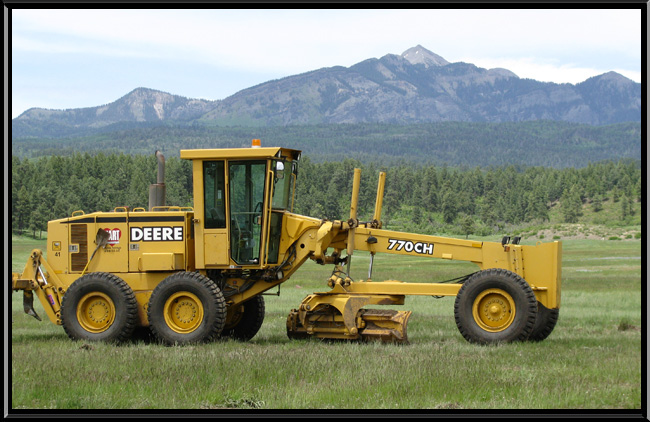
{"x":245,"y":320}
{"x":99,"y":307}
{"x":186,"y":307}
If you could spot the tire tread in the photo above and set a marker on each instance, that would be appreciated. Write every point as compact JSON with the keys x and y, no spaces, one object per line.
{"x":462,"y":310}
{"x":178,"y":280}
{"x":126,"y":298}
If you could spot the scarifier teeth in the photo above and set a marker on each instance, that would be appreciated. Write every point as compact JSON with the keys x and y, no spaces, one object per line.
{"x":373,"y":325}
{"x":385,"y":325}
{"x":28,"y":304}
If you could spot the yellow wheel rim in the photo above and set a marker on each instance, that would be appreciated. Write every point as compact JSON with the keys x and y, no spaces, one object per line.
{"x":183,"y":312}
{"x":96,"y":312}
{"x":494,"y":310}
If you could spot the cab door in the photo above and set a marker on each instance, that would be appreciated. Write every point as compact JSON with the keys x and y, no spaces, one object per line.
{"x":211,"y":228}
{"x":246,"y":185}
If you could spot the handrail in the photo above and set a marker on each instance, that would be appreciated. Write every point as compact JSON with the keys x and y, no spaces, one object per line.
{"x":269,"y":210}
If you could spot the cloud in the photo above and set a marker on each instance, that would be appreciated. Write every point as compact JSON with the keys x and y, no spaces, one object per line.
{"x":548,"y":71}
{"x":230,"y":48}
{"x":290,"y":40}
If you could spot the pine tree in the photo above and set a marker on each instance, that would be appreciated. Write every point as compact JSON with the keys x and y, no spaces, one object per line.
{"x":449,"y":207}
{"x":488,"y":203}
{"x":417,"y":215}
{"x":626,"y":207}
{"x":537,"y":208}
{"x":467,"y":226}
{"x":571,"y":205}
{"x":23,"y":209}
{"x":597,"y":203}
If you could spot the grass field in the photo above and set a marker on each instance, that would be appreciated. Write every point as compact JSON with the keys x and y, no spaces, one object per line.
{"x":592,"y":360}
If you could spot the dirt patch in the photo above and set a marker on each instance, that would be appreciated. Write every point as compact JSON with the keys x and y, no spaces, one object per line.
{"x":581,"y":231}
{"x":454,"y":405}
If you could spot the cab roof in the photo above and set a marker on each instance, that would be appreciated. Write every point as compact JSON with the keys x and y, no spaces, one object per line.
{"x":243,"y":153}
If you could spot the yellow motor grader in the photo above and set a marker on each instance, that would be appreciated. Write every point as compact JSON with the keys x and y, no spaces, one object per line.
{"x":198,"y":274}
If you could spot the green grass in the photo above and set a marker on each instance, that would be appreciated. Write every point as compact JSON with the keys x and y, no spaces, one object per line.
{"x":592,"y":360}
{"x":21,"y":247}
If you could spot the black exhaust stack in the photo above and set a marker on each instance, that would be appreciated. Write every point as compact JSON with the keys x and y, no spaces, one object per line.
{"x":157,"y":191}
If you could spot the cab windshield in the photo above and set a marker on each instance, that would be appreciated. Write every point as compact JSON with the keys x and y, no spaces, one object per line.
{"x":284,"y":180}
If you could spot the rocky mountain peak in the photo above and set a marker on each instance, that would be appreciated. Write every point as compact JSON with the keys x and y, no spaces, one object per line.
{"x":420,"y":55}
{"x":416,"y":86}
{"x":612,"y":78}
{"x":141,"y":93}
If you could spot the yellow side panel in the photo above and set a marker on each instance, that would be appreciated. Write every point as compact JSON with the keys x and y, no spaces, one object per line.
{"x":543,"y":269}
{"x":158,"y":240}
{"x":57,"y":246}
{"x":199,"y":213}
{"x":164,"y":261}
{"x":216,"y":249}
{"x":114,"y":257}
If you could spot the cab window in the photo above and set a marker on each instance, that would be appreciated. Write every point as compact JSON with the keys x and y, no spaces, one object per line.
{"x":246,"y":185}
{"x":214,"y":194}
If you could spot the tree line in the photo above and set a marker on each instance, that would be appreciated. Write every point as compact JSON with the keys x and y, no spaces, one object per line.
{"x":533,"y":143}
{"x":430,"y":197}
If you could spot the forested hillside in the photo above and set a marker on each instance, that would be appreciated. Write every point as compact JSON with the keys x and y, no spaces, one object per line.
{"x":423,"y":198}
{"x":536,"y":143}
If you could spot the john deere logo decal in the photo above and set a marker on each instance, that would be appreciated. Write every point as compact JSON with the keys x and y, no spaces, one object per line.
{"x":156,"y":234}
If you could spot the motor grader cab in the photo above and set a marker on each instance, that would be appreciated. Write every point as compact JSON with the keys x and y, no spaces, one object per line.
{"x":198,"y":274}
{"x":240,"y":197}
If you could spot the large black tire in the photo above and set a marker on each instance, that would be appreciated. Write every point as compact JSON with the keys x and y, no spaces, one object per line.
{"x":245,"y":319}
{"x":186,"y":308}
{"x":495,"y":306}
{"x":545,"y":323}
{"x":99,"y":307}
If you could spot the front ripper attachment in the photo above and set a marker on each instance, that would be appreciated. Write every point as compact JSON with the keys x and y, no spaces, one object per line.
{"x":341,"y":317}
{"x":28,"y":281}
{"x":34,"y":282}
{"x":28,"y":304}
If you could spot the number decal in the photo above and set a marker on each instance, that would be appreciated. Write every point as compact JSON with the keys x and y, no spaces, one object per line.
{"x":408,"y":246}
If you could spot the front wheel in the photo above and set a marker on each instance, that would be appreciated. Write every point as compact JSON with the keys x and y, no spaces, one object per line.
{"x":494,"y":306}
{"x":186,"y":308}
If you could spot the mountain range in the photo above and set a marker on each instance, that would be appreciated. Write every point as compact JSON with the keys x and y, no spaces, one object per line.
{"x":417,"y":86}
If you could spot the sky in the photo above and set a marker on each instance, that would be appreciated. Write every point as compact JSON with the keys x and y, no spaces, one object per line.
{"x":67,"y":58}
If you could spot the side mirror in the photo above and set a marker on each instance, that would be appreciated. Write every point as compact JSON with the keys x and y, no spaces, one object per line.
{"x":279,"y":170}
